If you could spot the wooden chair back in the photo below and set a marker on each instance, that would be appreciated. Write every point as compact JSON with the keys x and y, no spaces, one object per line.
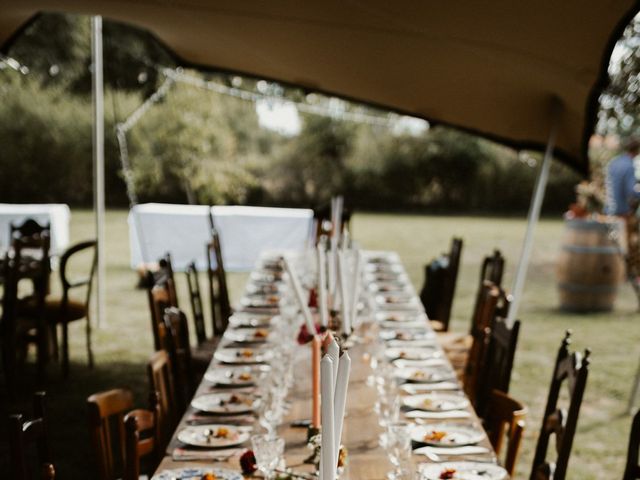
{"x":160,"y":298}
{"x":29,"y":228}
{"x":142,"y":438}
{"x":105,"y":417}
{"x":25,"y":433}
{"x":480,"y":339}
{"x":496,"y":367}
{"x":632,"y":468}
{"x":176,"y":344}
{"x":218,"y":291}
{"x":196,"y":302}
{"x":160,"y":375}
{"x":570,"y":369}
{"x":439,"y":288}
{"x":493,"y":268}
{"x":505,"y":419}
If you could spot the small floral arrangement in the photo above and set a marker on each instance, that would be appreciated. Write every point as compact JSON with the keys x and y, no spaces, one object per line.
{"x":304,"y":336}
{"x":248,"y":462}
{"x":590,"y":200}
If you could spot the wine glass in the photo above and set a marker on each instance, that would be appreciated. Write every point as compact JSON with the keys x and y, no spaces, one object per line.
{"x":398,"y":445}
{"x":268,"y":452}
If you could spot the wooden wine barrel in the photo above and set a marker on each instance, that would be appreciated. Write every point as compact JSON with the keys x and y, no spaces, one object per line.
{"x":590,"y":266}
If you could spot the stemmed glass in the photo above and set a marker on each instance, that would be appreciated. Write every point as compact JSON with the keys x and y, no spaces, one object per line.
{"x":268,"y":451}
{"x":398,"y":445}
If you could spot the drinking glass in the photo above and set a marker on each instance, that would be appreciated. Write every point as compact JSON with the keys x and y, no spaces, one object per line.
{"x":398,"y":445}
{"x":268,"y":452}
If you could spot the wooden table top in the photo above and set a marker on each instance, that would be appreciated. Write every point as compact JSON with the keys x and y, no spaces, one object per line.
{"x":366,"y":459}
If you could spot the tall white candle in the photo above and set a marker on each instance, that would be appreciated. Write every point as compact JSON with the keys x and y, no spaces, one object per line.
{"x":322,"y":286}
{"x":340,"y":399}
{"x":333,"y":352}
{"x":344,"y":297}
{"x":328,"y":463}
{"x":297,"y":288}
{"x":355,"y":290}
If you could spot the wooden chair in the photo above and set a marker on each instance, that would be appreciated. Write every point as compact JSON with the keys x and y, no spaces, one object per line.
{"x":22,"y":434}
{"x":142,"y":438}
{"x":63,"y":310}
{"x":105,"y":416}
{"x":160,"y":298}
{"x":439,"y":288}
{"x":218,"y":291}
{"x":176,"y":344}
{"x":24,"y":317}
{"x":160,"y":375}
{"x":573,"y":369}
{"x":196,"y":303}
{"x":480,"y":336}
{"x":496,"y":367}
{"x":632,"y":468}
{"x":505,"y":418}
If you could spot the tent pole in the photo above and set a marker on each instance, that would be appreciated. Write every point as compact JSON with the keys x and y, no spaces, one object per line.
{"x":634,"y":393}
{"x":533,"y":217}
{"x":98,"y":161}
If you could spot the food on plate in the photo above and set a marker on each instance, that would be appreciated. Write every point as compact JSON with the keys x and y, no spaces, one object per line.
{"x":434,"y":436}
{"x":448,"y":473}
{"x":246,"y":376}
{"x":261,"y":333}
{"x":208,"y":476}
{"x":246,"y":353}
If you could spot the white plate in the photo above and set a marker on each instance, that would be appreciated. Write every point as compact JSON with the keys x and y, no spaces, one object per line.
{"x":424,"y":375}
{"x":211,"y":436}
{"x":402,"y":317}
{"x":231,"y":403}
{"x":246,"y":320}
{"x":447,"y":435}
{"x":242,"y":355}
{"x":420,"y":343}
{"x":463,"y":471}
{"x":246,"y":335}
{"x":436,"y":402}
{"x":235,"y":376}
{"x":197,"y":473}
{"x":407,"y":334}
{"x":423,"y":353}
{"x":260,"y":301}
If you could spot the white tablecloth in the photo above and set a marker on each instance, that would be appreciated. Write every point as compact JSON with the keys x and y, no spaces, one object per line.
{"x":57,"y":214}
{"x":183,"y":230}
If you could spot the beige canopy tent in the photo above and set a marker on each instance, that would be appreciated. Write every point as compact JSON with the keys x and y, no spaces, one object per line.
{"x":487,"y":67}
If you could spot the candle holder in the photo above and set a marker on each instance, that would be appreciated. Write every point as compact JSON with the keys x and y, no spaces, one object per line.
{"x":313,"y":444}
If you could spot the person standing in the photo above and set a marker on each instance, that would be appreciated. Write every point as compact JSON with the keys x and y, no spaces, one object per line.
{"x":623,"y":196}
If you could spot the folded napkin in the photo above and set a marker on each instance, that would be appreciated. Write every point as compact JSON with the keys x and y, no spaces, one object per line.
{"x":449,"y":451}
{"x":438,"y":415}
{"x":186,"y":455}
{"x":414,"y":388}
{"x":226,"y":419}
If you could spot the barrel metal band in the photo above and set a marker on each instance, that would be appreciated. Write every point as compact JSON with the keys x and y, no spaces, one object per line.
{"x":602,"y":249}
{"x":577,"y":288}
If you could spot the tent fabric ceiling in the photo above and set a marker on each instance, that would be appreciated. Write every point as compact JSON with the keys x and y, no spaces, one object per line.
{"x":492,"y":68}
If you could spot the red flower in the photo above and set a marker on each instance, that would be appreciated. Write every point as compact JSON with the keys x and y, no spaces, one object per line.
{"x":248,"y":462}
{"x":303,"y":335}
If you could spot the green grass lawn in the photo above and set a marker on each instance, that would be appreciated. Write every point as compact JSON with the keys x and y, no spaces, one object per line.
{"x":123,"y":344}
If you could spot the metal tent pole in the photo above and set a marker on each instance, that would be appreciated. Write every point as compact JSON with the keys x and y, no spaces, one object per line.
{"x":534,"y":216}
{"x":98,"y":161}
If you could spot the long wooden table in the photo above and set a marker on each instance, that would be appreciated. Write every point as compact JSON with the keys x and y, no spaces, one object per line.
{"x":366,"y":459}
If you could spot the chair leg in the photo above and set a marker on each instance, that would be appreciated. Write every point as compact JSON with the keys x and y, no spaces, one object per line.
{"x":89,"y":351}
{"x":65,"y":349}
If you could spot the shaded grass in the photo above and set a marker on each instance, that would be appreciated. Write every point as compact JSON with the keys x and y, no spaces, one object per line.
{"x":123,"y":345}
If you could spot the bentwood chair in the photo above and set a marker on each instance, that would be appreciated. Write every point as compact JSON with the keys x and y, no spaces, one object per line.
{"x":64,"y":309}
{"x":437,"y":293}
{"x":505,"y":419}
{"x":570,"y":369}
{"x":105,"y":416}
{"x":632,"y":469}
{"x":161,"y":380}
{"x":218,"y":291}
{"x":496,"y":367}
{"x":142,"y":438}
{"x":23,"y":434}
